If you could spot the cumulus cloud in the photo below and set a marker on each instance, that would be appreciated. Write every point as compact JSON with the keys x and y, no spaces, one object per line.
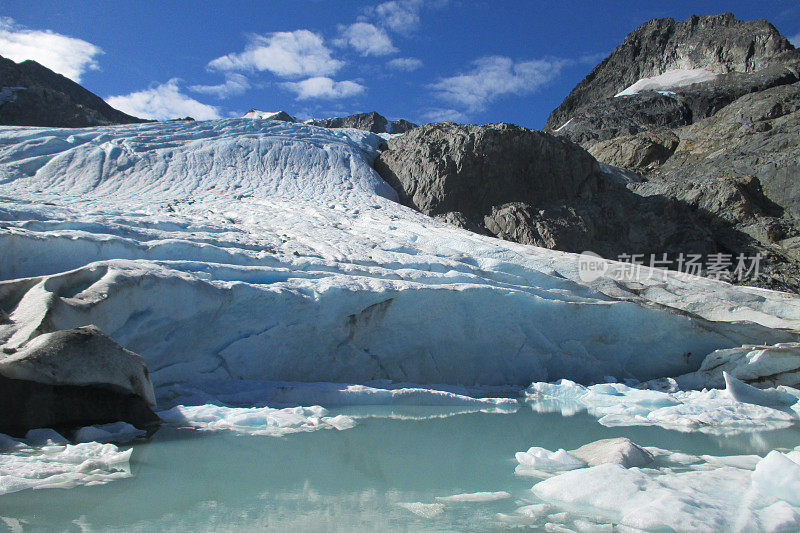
{"x":65,"y":55}
{"x":795,"y":40}
{"x":290,"y":54}
{"x":405,"y":63}
{"x":399,"y":15}
{"x":163,"y":102}
{"x":495,"y":76}
{"x":234,"y":84}
{"x":444,"y":115}
{"x":367,"y":39}
{"x":321,"y":87}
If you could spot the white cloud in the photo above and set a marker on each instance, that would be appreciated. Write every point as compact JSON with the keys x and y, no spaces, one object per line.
{"x":495,"y":76}
{"x":234,"y":84}
{"x":399,"y":15}
{"x":405,"y":63}
{"x":327,"y":88}
{"x":795,"y":40}
{"x":163,"y":102}
{"x":68,"y":56}
{"x":444,"y":115}
{"x":289,"y":54}
{"x":366,"y":39}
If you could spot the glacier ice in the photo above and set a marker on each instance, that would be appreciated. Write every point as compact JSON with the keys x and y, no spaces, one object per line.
{"x":33,"y":464}
{"x":709,"y":411}
{"x":241,"y":249}
{"x":698,"y":498}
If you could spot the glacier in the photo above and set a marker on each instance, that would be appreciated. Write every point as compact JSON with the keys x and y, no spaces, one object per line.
{"x":277,"y":290}
{"x":256,"y":249}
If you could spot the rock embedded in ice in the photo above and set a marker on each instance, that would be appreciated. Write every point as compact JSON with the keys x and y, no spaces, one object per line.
{"x":619,"y":451}
{"x":73,"y":378}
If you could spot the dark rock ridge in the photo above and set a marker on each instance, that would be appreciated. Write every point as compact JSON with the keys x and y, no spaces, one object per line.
{"x":727,"y":148}
{"x":717,"y":43}
{"x":373,"y":122}
{"x":73,"y":378}
{"x":33,"y":95}
{"x":531,"y":187}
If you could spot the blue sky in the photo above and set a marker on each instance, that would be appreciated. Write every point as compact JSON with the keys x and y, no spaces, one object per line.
{"x":478,"y":61}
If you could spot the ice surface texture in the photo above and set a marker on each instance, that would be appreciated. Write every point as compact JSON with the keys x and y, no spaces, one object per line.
{"x":268,"y":250}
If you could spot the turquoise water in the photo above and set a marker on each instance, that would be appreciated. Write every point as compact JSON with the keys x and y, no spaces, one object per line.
{"x":331,"y":480}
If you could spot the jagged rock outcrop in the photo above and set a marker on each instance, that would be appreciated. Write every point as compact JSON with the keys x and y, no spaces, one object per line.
{"x":533,"y":188}
{"x":73,"y":378}
{"x":726,"y":148}
{"x":442,"y":168}
{"x":719,"y":43}
{"x":33,"y":95}
{"x":373,"y":122}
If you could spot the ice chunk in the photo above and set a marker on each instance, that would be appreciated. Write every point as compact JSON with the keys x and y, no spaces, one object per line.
{"x":742,"y":392}
{"x":45,"y":437}
{"x":475,"y":497}
{"x":619,"y":451}
{"x":255,"y":420}
{"x":114,"y":432}
{"x":615,"y":404}
{"x":779,"y":476}
{"x":64,"y":466}
{"x":542,"y":460}
{"x":425,"y":510}
{"x":760,"y":366}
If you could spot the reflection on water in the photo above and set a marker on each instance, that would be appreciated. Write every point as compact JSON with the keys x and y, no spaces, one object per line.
{"x":342,"y":480}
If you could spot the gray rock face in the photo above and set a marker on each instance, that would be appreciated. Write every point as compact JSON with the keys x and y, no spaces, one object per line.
{"x":620,"y":451}
{"x":70,"y":378}
{"x":725,"y":149}
{"x":718,"y":43}
{"x":372,"y":122}
{"x":641,"y":152}
{"x":533,"y":188}
{"x":442,"y":168}
{"x":33,"y":95}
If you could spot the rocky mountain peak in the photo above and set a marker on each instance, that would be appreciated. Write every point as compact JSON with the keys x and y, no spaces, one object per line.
{"x":372,"y":121}
{"x":719,"y":44}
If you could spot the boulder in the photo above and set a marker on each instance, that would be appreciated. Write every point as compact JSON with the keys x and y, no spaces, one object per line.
{"x":73,"y":378}
{"x":442,"y":168}
{"x":620,"y":451}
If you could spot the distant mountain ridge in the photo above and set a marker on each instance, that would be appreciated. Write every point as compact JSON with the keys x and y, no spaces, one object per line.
{"x":34,"y":95}
{"x":718,"y":43}
{"x":373,"y":122}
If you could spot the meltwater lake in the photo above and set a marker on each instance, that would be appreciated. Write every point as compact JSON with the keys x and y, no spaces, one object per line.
{"x":393,"y":471}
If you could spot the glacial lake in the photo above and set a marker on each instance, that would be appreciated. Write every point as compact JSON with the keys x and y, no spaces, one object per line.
{"x":348,"y":480}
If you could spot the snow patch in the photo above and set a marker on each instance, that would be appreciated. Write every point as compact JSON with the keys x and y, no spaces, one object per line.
{"x":669,"y":80}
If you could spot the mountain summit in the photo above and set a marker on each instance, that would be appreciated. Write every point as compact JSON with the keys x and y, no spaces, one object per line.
{"x":719,"y":44}
{"x":33,"y":95}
